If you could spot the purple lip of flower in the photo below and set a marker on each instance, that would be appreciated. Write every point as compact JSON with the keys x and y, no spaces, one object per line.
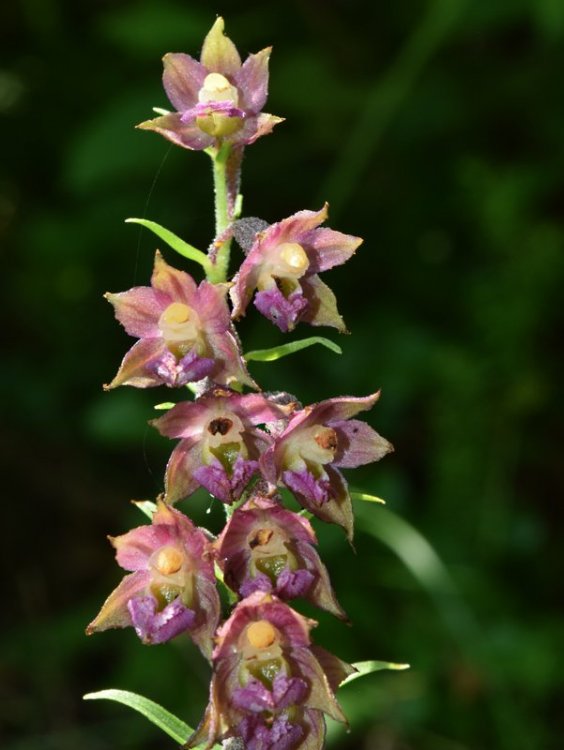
{"x":227,"y":488}
{"x":282,"y":734}
{"x":286,"y":692}
{"x":283,"y":265}
{"x":153,"y":626}
{"x":171,"y":588}
{"x":218,"y":99}
{"x":184,"y":330}
{"x":317,"y":441}
{"x":269,"y":549}
{"x":220,"y":442}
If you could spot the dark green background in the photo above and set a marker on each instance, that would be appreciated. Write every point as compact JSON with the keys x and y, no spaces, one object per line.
{"x":435,"y":129}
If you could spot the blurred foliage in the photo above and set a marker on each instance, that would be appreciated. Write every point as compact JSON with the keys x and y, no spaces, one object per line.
{"x":434,"y":128}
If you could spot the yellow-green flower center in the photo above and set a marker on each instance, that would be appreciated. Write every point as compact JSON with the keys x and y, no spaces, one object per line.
{"x":169,"y":560}
{"x":217,"y":88}
{"x":261,"y":634}
{"x":180,"y":327}
{"x":293,"y":259}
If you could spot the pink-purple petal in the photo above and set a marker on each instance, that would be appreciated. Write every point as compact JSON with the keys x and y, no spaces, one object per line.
{"x":358,"y":444}
{"x":252,"y":80}
{"x":179,"y":477}
{"x":114,"y":612}
{"x":138,"y":311}
{"x":328,"y":248}
{"x":138,"y":367}
{"x":177,"y":285}
{"x":183,"y":77}
{"x":173,"y":129}
{"x":134,"y":548}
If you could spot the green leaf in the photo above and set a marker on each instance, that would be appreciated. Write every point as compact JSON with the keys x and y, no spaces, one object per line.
{"x":181,"y":247}
{"x":164,"y":406}
{"x":169,"y":723}
{"x":366,"y":498}
{"x":270,"y":355}
{"x":147,"y":507}
{"x":367,"y":667}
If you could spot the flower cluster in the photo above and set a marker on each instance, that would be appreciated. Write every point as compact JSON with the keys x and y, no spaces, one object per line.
{"x":251,"y":450}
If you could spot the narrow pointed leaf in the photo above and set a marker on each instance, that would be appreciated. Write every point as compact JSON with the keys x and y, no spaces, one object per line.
{"x":169,"y":723}
{"x":366,"y":498}
{"x":147,"y":507}
{"x":165,"y":406}
{"x":367,"y":667}
{"x":270,"y":355}
{"x":173,"y":241}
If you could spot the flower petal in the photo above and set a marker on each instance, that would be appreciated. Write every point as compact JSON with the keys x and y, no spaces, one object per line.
{"x":321,"y":696}
{"x":138,"y":311}
{"x":183,"y":77}
{"x":283,"y":311}
{"x":187,"y":135}
{"x":321,"y":593}
{"x":114,"y":612}
{"x":219,"y":54}
{"x":153,"y":626}
{"x":322,"y":308}
{"x":358,"y":444}
{"x":328,"y":248}
{"x":254,"y":127}
{"x":134,"y":548}
{"x":295,"y":228}
{"x":138,"y":366}
{"x":252,"y":80}
{"x":179,"y":477}
{"x":177,"y":285}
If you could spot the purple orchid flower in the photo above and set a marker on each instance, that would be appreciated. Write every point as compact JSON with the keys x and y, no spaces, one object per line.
{"x":184,"y":330}
{"x":171,"y":588}
{"x":283,"y":265}
{"x":317,"y":441}
{"x":265,"y":547}
{"x":269,"y":683}
{"x":218,"y":99}
{"x":220,"y":444}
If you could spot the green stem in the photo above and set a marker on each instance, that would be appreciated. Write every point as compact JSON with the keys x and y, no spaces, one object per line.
{"x":220,"y":268}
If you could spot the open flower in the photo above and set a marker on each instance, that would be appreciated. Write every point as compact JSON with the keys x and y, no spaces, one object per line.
{"x":217,"y":99}
{"x":283,"y":265}
{"x":171,"y":588}
{"x":269,"y":683}
{"x":220,"y":444}
{"x":265,"y":547}
{"x":319,"y":440}
{"x":185,"y":332}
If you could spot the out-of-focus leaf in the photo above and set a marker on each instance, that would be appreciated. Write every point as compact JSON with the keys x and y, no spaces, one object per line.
{"x":276,"y":352}
{"x":367,"y":667}
{"x":159,"y":716}
{"x":173,"y":241}
{"x":164,"y":406}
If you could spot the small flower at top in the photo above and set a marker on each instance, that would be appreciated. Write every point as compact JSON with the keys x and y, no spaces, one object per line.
{"x":185,"y":332}
{"x":221,"y":442}
{"x":283,"y":265}
{"x":218,"y":99}
{"x":269,"y":682}
{"x":317,"y":441}
{"x":265,"y":547}
{"x":172,"y":586}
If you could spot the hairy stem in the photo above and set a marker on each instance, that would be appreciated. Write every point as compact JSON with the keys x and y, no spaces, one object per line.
{"x":222,"y":247}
